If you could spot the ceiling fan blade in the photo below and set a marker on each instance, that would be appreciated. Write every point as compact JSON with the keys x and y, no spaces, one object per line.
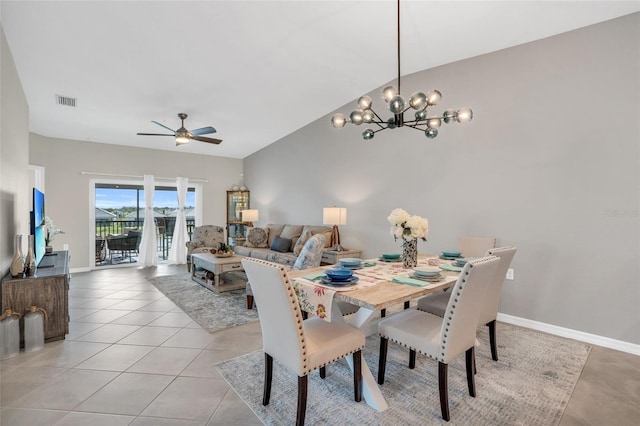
{"x":154,"y":134}
{"x":203,"y":131}
{"x":205,"y":139}
{"x":162,"y":125}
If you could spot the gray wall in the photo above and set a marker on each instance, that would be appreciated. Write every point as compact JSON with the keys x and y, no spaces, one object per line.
{"x":549,"y":164}
{"x":67,"y":190}
{"x":14,"y":158}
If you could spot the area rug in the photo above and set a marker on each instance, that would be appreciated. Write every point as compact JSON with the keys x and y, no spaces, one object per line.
{"x":211,"y":311}
{"x":530,"y":385}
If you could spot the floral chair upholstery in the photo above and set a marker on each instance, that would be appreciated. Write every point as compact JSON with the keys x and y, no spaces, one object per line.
{"x":204,"y":239}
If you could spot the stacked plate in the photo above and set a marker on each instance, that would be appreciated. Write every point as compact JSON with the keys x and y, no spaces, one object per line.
{"x":460,"y":261}
{"x":450,"y":255}
{"x":427,"y":273}
{"x":351,"y":263}
{"x":339,"y":277}
{"x":391,"y":257}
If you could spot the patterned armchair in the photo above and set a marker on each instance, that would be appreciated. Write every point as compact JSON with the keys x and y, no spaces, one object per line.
{"x":204,"y":238}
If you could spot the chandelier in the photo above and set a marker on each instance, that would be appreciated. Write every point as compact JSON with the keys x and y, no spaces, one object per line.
{"x":418,"y":101}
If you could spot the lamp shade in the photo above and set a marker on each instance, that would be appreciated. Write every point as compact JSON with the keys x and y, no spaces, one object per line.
{"x":250,"y":215}
{"x":334,"y":216}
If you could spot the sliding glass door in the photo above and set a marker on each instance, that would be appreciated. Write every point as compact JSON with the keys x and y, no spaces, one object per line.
{"x":119,"y":218}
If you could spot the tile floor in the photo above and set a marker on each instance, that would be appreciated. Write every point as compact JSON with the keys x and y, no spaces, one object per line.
{"x":132,"y":357}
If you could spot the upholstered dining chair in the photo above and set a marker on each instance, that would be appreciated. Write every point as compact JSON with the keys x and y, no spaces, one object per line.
{"x":300,"y":345}
{"x":439,"y":338}
{"x":205,"y":238}
{"x":476,"y":246}
{"x":437,"y":303}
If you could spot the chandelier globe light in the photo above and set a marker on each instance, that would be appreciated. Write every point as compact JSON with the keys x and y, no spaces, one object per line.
{"x":396,"y":103}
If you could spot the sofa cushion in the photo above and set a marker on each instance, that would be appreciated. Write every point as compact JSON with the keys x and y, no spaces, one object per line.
{"x":274,"y":230}
{"x":280,"y":244}
{"x":244,"y":251}
{"x":287,"y":259}
{"x":291,"y":232}
{"x":261,"y":253}
{"x":257,"y":237}
{"x":324,"y":230}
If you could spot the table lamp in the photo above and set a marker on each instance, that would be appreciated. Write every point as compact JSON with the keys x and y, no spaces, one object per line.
{"x":249,"y":216}
{"x":335,"y":216}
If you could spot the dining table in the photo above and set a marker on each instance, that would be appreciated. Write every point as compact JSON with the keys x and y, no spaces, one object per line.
{"x":381,"y":284}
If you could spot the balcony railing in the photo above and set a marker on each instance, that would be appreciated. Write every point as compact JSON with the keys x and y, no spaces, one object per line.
{"x":164,"y":230}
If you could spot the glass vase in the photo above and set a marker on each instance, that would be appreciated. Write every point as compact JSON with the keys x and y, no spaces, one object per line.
{"x":410,"y":253}
{"x":30,"y":260}
{"x":17,"y":264}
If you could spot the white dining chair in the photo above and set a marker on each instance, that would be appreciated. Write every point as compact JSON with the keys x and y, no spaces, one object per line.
{"x":476,"y":246}
{"x":437,"y":303}
{"x":299,"y":345}
{"x":439,"y":338}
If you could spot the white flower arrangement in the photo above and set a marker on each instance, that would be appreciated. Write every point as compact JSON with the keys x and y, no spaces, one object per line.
{"x":408,"y":227}
{"x":51,"y":230}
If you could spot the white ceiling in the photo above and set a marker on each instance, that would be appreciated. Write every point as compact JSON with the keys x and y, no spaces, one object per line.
{"x":256,"y":71}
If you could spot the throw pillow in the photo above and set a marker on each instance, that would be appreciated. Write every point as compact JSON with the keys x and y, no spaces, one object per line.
{"x":257,"y":237}
{"x":300,"y":243}
{"x":281,"y":244}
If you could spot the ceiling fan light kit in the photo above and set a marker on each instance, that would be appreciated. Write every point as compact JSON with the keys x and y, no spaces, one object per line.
{"x":418,"y":101}
{"x":183,"y":136}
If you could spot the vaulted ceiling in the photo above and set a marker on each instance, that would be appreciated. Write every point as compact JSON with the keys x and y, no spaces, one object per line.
{"x":254,"y":70}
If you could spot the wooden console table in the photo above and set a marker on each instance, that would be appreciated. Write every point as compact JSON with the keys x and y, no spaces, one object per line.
{"x":48,"y":289}
{"x":331,"y":257}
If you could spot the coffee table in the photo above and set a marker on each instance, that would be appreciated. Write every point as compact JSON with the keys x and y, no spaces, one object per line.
{"x":217,"y":266}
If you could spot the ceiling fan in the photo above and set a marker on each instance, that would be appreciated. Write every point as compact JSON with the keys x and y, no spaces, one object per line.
{"x":183,"y":135}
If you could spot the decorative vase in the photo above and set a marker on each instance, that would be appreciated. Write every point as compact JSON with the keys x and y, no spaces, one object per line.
{"x":30,"y":261}
{"x":17,"y":264}
{"x":410,"y":253}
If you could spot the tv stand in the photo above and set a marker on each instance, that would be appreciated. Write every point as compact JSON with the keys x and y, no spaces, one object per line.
{"x":48,"y":289}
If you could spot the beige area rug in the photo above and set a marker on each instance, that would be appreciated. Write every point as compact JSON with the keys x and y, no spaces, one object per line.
{"x":530,"y":385}
{"x":211,"y":311}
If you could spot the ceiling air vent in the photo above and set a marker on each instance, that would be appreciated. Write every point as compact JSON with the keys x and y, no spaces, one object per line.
{"x":65,"y":100}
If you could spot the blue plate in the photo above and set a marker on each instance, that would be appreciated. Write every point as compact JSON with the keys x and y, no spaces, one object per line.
{"x":326,"y":280}
{"x":339,"y":274}
{"x":351,"y":261}
{"x":451,"y":253}
{"x":390,"y":256}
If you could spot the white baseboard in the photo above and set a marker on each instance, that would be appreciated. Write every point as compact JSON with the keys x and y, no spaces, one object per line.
{"x":77,"y":270}
{"x":606,"y":342}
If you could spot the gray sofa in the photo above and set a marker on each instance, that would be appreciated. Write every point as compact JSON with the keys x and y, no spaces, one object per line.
{"x":270,"y":242}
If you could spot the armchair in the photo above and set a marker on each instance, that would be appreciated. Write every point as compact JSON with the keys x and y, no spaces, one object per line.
{"x":204,"y":239}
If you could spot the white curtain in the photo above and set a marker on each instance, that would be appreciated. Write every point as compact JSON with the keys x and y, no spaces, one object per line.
{"x":148,"y":243}
{"x":178,"y":250}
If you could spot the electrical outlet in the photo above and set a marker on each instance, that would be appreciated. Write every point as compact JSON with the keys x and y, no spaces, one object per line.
{"x":65,"y":247}
{"x":509,"y":274}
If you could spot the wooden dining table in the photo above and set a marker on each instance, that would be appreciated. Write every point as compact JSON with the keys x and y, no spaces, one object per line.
{"x":372,"y":300}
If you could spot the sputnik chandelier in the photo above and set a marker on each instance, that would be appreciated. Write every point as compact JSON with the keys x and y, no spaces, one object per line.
{"x":398,"y":106}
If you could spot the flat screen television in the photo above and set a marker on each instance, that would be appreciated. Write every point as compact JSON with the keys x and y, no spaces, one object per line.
{"x":37,"y":224}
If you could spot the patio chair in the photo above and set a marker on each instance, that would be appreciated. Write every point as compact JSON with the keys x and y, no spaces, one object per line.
{"x":443,"y":339}
{"x":301,"y":346}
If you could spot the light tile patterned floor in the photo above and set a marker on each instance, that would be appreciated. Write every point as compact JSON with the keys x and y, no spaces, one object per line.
{"x":131,"y":357}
